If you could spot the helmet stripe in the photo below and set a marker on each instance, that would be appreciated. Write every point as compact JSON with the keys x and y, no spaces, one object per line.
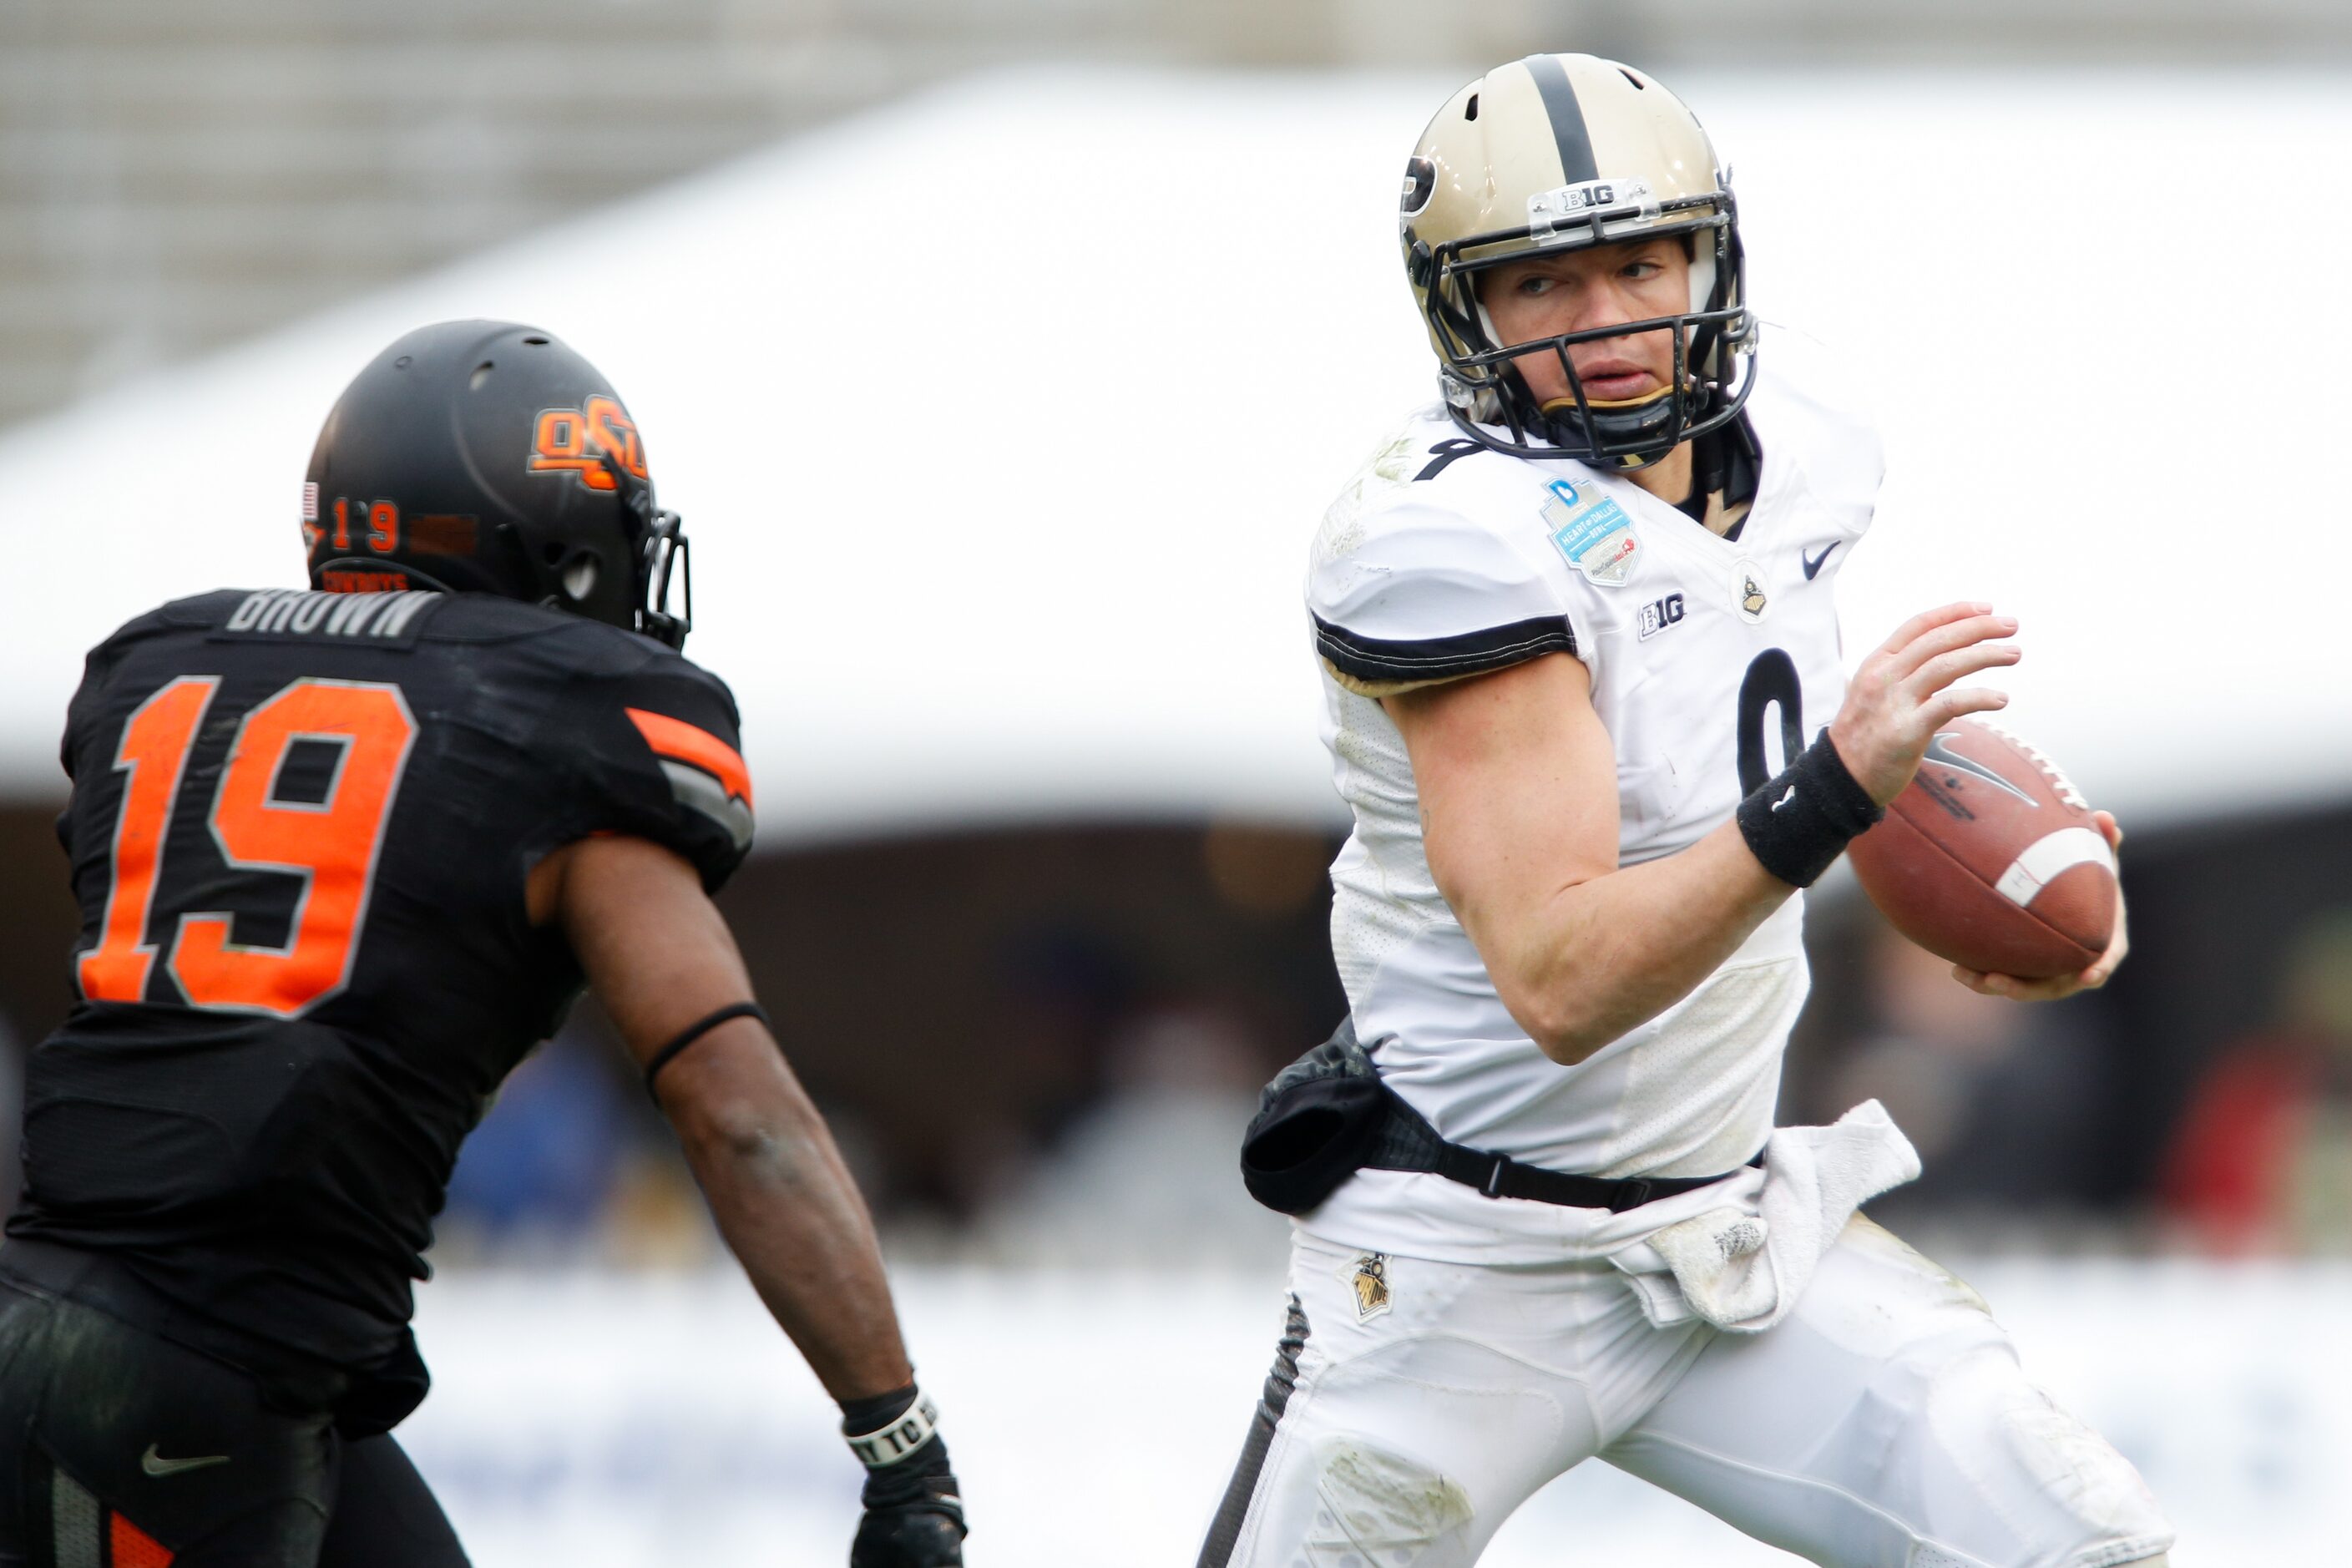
{"x":1576,"y":164}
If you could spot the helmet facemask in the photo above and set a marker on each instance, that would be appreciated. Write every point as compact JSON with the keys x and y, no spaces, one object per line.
{"x":1712,"y":371}
{"x":662,"y":557}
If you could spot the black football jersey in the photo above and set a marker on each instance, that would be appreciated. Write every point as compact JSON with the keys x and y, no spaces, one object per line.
{"x":299,"y":832}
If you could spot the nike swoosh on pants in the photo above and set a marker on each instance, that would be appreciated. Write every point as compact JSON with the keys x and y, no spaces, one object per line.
{"x":155,"y":1464}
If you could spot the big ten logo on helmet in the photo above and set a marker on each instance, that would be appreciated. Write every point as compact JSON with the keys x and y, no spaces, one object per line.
{"x":1658,"y":615}
{"x":587,"y":441}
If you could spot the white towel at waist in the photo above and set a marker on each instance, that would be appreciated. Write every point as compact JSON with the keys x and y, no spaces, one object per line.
{"x":1742,"y":1268}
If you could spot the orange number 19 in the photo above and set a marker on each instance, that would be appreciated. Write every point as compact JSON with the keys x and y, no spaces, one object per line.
{"x":332,"y":845}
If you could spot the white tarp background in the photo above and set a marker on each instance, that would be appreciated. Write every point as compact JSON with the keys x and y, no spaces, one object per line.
{"x":613,"y":1421}
{"x":1000,"y":418}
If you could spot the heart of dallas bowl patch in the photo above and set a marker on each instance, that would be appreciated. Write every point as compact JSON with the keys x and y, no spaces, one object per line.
{"x":1592,"y":531}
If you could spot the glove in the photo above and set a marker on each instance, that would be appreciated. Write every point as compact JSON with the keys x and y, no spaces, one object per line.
{"x":914,"y":1511}
{"x":914,"y":1516}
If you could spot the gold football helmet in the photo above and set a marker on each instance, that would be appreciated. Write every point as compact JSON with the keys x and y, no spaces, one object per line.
{"x":1561,"y":152}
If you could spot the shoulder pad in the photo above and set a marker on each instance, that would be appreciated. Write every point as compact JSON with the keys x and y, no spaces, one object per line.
{"x":1417,"y":592}
{"x":658,"y":741}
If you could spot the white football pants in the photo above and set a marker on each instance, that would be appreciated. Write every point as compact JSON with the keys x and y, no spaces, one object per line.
{"x":1884,"y":1424}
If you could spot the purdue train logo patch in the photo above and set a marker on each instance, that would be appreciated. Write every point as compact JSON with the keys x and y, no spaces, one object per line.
{"x":1751,"y":597}
{"x":1368,"y":1276}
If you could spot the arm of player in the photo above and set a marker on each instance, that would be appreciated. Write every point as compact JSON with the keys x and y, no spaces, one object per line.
{"x":1518,"y":781}
{"x":659,"y":955}
{"x":1518,"y":797}
{"x":660,"y":958}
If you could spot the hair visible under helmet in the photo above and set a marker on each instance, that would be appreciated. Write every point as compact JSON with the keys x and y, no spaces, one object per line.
{"x":1561,"y":152}
{"x":485,"y":456}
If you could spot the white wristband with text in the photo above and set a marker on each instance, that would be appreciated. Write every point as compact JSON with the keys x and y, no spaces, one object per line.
{"x":893,"y":1443}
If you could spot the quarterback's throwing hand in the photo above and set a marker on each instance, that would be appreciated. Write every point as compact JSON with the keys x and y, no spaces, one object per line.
{"x":1903,"y":693}
{"x":2060,"y":985}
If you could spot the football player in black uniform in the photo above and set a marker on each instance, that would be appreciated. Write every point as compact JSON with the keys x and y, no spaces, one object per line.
{"x":342,"y":857}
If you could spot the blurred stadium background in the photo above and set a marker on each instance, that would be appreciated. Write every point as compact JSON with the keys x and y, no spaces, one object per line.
{"x":1000,"y":356}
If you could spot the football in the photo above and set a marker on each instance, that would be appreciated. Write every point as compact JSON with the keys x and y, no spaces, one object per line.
{"x":1990,"y":858}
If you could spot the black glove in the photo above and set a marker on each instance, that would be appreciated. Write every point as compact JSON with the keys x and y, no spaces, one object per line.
{"x":914,"y":1513}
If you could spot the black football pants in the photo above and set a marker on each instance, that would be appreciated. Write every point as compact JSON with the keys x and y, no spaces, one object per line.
{"x":120,"y":1449}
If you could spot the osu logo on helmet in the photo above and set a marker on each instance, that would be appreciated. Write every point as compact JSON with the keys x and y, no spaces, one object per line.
{"x":580,"y":440}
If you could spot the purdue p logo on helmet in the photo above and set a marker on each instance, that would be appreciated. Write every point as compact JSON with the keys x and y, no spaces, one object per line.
{"x":1558,"y":152}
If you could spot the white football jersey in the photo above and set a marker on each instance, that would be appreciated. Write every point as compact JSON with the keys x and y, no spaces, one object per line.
{"x":1713,"y":661}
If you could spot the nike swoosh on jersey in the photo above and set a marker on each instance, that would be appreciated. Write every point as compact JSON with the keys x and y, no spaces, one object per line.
{"x":155,"y":1464}
{"x":1814,"y":563}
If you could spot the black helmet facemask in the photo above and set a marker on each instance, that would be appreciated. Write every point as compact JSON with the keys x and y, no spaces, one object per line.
{"x":1713,"y":365}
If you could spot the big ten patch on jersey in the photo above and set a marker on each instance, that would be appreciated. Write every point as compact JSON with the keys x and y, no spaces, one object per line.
{"x":375,"y":620}
{"x":1660,"y":613}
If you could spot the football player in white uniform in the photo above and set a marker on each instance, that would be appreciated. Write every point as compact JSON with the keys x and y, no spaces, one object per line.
{"x":1577,"y":640}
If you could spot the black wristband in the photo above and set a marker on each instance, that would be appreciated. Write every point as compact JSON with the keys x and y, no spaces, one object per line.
{"x":694,"y":1032}
{"x":1798,"y":821}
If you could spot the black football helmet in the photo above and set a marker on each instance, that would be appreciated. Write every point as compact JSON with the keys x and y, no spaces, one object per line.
{"x":487,"y":458}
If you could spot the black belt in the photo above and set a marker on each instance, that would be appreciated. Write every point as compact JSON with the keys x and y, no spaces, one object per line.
{"x":1406,"y":1141}
{"x":1500,"y":1176}
{"x":1328,"y":1115}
